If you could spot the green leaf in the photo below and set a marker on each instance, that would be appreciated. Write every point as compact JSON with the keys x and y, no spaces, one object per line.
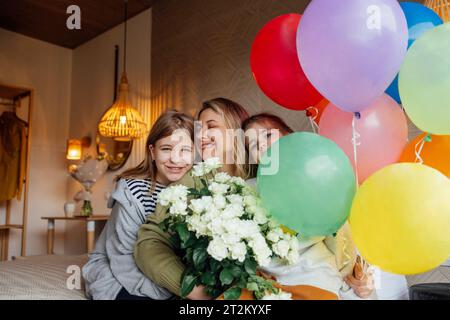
{"x":187,"y":284}
{"x":199,"y":257}
{"x":250,"y":266}
{"x":205,"y":184}
{"x":242,"y":283}
{"x":252,"y":286}
{"x":193,"y":191}
{"x":208,"y":279}
{"x":175,"y":241}
{"x":188,"y":255}
{"x":189,"y":241}
{"x":182,"y":231}
{"x":235,"y":271}
{"x":226,"y":276}
{"x":214,"y":265}
{"x":232,"y":294}
{"x":213,"y":292}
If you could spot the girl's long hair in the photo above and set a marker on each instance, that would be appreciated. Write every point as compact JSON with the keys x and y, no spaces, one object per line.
{"x":166,"y":124}
{"x":234,"y":115}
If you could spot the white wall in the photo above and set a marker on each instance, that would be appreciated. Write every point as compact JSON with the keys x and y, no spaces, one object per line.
{"x":92,"y":94}
{"x":72,"y":90}
{"x":46,"y":68}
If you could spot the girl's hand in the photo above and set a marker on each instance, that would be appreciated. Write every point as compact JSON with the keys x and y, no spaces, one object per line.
{"x":198,"y":293}
{"x":362,"y":287}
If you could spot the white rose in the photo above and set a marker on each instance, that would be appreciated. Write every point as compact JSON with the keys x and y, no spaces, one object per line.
{"x":239,"y":181}
{"x":261,"y":250}
{"x":179,"y":192}
{"x":195,"y":224}
{"x":294,"y":244}
{"x":273,"y":236}
{"x":248,"y":229}
{"x":165,"y":196}
{"x":201,"y":205}
{"x":235,"y":199}
{"x":211,"y":213}
{"x":281,"y":295}
{"x":212,"y":164}
{"x":230,"y":239}
{"x":260,"y":216}
{"x":218,"y":188}
{"x":238,"y":251}
{"x":231,"y":225}
{"x":232,"y":211}
{"x":198,"y":170}
{"x":219,"y":201}
{"x":263,"y":260}
{"x":281,"y":248}
{"x":273,"y":224}
{"x":216,"y":226}
{"x":217,"y":249}
{"x":222,"y":177}
{"x":178,"y":208}
{"x":250,"y":200}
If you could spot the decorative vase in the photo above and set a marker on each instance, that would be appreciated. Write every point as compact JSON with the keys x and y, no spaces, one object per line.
{"x":87,"y":173}
{"x":86,"y":210}
{"x":69,"y":209}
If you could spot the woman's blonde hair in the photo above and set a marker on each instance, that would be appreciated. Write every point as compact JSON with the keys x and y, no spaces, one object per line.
{"x":234,"y":115}
{"x":166,"y":124}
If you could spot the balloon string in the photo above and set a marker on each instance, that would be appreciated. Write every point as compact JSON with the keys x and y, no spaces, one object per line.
{"x":312,"y":118}
{"x":418,"y":150}
{"x":355,"y":143}
{"x":347,"y":257}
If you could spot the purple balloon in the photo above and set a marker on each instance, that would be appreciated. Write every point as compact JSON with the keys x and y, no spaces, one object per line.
{"x":351,"y":50}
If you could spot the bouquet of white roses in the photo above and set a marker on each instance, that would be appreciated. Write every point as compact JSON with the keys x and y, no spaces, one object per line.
{"x":223,"y":233}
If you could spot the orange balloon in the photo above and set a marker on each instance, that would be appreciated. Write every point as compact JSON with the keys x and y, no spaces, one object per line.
{"x":317,"y":111}
{"x":435,"y":153}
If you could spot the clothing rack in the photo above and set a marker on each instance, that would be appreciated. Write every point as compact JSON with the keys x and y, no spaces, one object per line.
{"x":12,"y":96}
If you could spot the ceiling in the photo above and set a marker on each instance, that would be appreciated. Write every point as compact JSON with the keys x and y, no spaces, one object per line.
{"x":46,"y":19}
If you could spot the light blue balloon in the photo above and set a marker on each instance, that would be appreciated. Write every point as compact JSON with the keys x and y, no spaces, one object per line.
{"x":420,"y":19}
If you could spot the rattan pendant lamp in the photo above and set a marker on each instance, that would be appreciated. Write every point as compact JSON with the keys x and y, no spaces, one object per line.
{"x":441,"y":7}
{"x":121,"y":121}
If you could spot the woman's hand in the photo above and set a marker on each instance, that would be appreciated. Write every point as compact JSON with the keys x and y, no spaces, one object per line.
{"x":362,"y":287}
{"x":198,"y":293}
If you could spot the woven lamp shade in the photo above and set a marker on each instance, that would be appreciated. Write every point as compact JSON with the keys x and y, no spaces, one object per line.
{"x":122,"y":122}
{"x":441,"y":7}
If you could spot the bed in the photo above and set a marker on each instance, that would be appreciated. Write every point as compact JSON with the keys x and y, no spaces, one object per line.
{"x":42,"y":278}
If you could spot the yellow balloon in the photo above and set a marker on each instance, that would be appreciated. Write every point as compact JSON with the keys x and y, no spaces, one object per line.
{"x":400,"y":218}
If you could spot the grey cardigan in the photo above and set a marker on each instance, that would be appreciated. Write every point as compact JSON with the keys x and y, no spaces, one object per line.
{"x":111,"y":265}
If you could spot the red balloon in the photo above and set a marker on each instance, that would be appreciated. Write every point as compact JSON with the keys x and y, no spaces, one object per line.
{"x":276,"y":68}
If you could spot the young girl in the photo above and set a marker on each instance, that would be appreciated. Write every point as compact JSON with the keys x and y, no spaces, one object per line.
{"x":262,"y":131}
{"x":221,"y":121}
{"x":111,"y":272}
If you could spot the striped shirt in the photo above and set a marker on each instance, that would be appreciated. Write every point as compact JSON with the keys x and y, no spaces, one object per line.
{"x":140,"y":189}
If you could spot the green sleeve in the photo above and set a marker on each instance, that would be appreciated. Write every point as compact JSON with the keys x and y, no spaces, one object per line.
{"x":156,"y":258}
{"x":154,"y":253}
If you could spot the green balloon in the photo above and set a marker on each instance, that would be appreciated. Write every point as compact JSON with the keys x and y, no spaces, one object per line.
{"x":424,"y":81}
{"x":307,"y":183}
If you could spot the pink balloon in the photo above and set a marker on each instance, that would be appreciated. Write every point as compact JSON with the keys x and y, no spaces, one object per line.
{"x":382,"y":129}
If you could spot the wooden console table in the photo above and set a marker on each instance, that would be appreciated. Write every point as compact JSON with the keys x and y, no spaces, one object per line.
{"x":90,"y":229}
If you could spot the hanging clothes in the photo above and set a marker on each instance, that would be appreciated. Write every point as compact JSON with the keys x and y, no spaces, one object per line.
{"x":13,"y":137}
